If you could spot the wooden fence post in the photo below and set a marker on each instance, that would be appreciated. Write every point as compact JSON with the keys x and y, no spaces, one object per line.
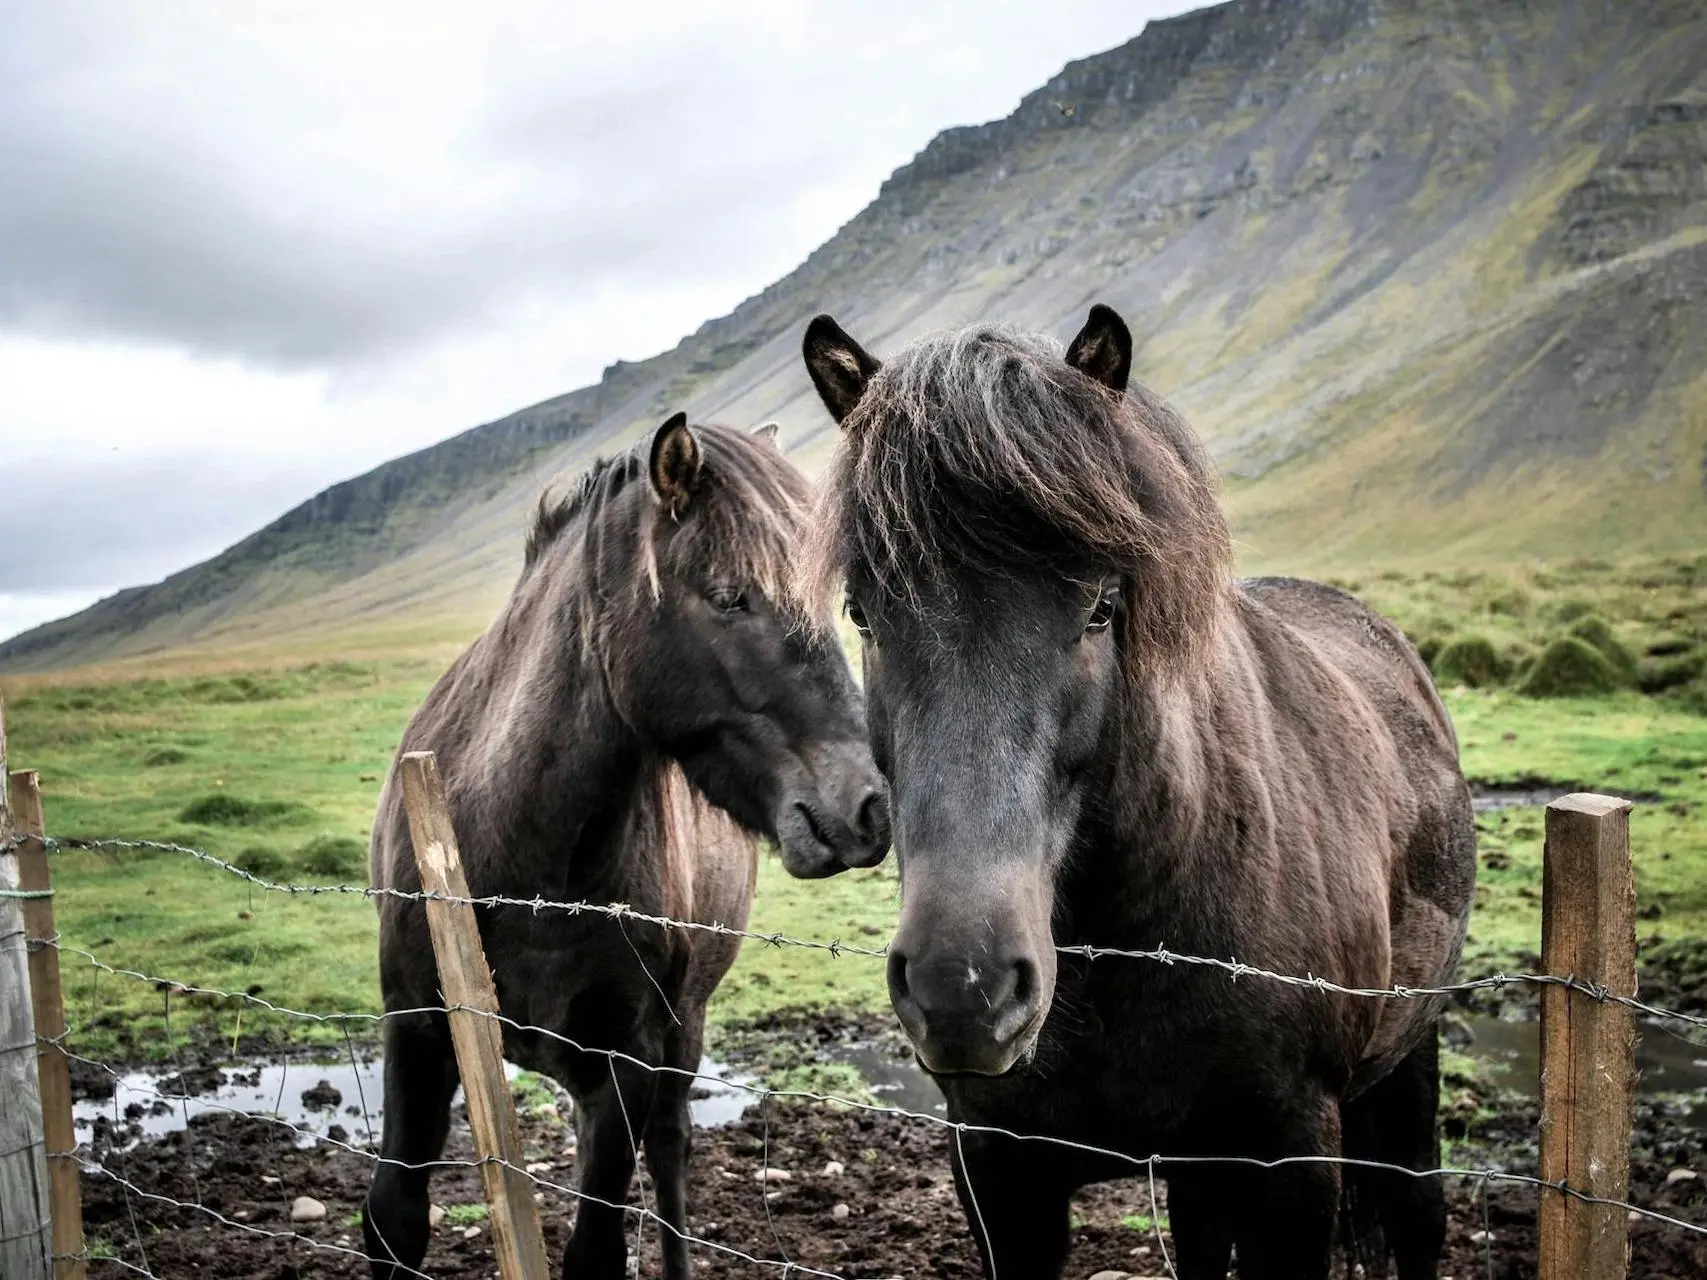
{"x":47,"y":1002}
{"x":25,"y":1240}
{"x":466,"y":983}
{"x":1588,"y":1046}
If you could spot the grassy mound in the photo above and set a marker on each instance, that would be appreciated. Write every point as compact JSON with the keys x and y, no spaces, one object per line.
{"x":339,"y":857}
{"x":162,"y":756}
{"x":1470,"y":660}
{"x":259,"y":861}
{"x":1569,"y":667}
{"x":1670,"y":671}
{"x":1597,"y":631}
{"x":224,"y":810}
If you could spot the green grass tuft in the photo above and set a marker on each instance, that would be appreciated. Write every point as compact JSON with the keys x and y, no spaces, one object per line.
{"x":1597,"y":631}
{"x":1471,"y":661}
{"x":1569,"y":668}
{"x":258,"y":860}
{"x":225,"y":810}
{"x":340,"y":857}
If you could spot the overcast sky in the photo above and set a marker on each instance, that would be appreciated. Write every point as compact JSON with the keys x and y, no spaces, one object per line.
{"x":250,"y":249}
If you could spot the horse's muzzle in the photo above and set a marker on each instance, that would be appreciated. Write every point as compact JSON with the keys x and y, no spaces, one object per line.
{"x":972,"y":966}
{"x":965,"y":1017}
{"x":835,"y":818}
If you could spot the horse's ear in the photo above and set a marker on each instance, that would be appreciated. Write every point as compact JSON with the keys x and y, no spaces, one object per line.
{"x":839,"y":366}
{"x":675,"y":464}
{"x":1103,"y":349}
{"x":767,"y":431}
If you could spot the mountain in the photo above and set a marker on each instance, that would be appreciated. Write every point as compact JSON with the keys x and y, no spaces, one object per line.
{"x":1424,"y":274}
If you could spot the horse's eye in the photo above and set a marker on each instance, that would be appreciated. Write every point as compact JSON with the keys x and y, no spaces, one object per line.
{"x":1103,"y":614}
{"x":727,"y":599}
{"x":856,"y":615}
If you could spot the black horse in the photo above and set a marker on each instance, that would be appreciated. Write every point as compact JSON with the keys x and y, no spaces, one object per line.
{"x":1093,"y":735}
{"x":650,"y":696}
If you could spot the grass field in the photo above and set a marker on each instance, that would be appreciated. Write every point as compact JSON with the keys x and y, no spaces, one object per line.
{"x":278,"y":770}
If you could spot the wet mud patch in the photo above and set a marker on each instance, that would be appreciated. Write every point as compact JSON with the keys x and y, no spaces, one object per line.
{"x":850,"y":1192}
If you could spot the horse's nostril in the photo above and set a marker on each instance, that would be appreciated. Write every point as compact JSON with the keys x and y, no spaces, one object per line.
{"x":873,"y":826}
{"x":1025,"y":981}
{"x":898,"y":976}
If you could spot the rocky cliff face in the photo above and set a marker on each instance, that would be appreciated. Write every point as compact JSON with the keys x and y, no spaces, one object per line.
{"x":1423,"y":272}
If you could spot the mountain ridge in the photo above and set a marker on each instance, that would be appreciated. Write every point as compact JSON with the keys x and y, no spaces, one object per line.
{"x":1419,"y":273}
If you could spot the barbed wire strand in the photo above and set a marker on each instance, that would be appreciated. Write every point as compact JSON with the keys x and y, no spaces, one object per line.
{"x":965,"y":1127}
{"x":1160,"y":954}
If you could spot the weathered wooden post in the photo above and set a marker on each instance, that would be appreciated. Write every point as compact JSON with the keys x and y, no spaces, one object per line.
{"x":466,"y":983}
{"x":25,"y":1236}
{"x":47,"y":1001}
{"x":1588,"y":1046}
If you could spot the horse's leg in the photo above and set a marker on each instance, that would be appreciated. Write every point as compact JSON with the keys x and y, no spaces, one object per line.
{"x":1200,"y":1201}
{"x":669,"y":1139}
{"x":1285,"y":1228}
{"x":610,"y":1118}
{"x":1016,"y":1204}
{"x":420,"y":1077}
{"x":1394,"y":1121}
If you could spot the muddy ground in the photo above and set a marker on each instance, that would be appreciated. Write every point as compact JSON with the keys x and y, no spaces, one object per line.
{"x":889,"y":1210}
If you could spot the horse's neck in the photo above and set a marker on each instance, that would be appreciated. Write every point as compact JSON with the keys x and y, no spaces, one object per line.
{"x":1161,"y":815}
{"x":556,"y":772}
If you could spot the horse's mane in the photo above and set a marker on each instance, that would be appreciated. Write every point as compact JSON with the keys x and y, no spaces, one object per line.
{"x":982,"y":451}
{"x":743,"y":524}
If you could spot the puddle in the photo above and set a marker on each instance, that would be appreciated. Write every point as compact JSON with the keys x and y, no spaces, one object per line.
{"x":1667,"y":1064}
{"x":336,"y":1093}
{"x":1488,"y":798}
{"x":894,"y":1081}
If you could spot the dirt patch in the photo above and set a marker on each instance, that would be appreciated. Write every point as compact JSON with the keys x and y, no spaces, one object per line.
{"x":901,"y":1216}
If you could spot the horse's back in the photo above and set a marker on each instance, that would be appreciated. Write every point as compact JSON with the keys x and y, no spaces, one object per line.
{"x":1431,"y":871}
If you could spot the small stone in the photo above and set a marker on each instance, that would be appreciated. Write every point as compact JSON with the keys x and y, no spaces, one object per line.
{"x":1109,"y":1275}
{"x":1632,"y":1216}
{"x":540,"y":1166}
{"x":539,"y":1197}
{"x":840,"y":1213}
{"x":834,"y":1169}
{"x":435,"y":1216}
{"x":307,"y":1209}
{"x":773,"y":1195}
{"x":1481,"y":1237}
{"x":468,"y":1233}
{"x":1142,"y":1251}
{"x":772,"y":1175}
{"x":269,"y":1180}
{"x":1681,"y":1175}
{"x":241,"y":1215}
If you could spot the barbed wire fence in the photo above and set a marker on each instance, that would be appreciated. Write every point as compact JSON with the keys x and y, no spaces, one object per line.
{"x":109,"y":1165}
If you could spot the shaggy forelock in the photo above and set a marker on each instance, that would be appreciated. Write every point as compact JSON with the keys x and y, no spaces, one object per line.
{"x":982,"y":451}
{"x":743,"y":525}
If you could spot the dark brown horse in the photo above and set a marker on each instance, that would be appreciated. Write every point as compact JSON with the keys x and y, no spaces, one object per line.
{"x":649,"y":697}
{"x":1092,"y":735}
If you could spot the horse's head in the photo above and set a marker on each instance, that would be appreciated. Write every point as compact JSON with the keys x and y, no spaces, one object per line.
{"x":710,"y":661}
{"x":1019,"y":541}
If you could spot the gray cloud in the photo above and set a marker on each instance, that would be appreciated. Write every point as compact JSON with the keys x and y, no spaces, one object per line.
{"x":87,"y":525}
